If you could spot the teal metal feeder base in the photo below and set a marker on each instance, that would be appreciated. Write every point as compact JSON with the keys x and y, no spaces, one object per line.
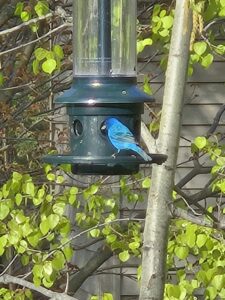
{"x":104,"y":165}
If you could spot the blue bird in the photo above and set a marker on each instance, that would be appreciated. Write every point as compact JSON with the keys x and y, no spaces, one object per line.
{"x":122,"y":138}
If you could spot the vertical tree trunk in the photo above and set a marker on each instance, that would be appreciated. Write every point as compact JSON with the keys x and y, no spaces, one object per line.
{"x":157,"y":215}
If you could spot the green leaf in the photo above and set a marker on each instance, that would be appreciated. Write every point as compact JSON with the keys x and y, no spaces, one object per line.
{"x":124,"y":256}
{"x":2,"y":79}
{"x":25,"y":16}
{"x":111,"y":238}
{"x":190,"y":70}
{"x":34,"y":27}
{"x":41,"y":8}
{"x":49,"y":65}
{"x":164,"y":32}
{"x":22,"y":247}
{"x":211,"y":292}
{"x":95,"y":233}
{"x":17,"y":176}
{"x":68,"y":251}
{"x":34,"y":238}
{"x":220,"y":161}
{"x":53,"y":220}
{"x":162,"y":13}
{"x":222,"y":2}
{"x":200,"y":48}
{"x":51,"y":176}
{"x":220,"y":49}
{"x":35,"y":66}
{"x":107,"y":296}
{"x":142,"y":44}
{"x":3,"y":242}
{"x":47,"y":268}
{"x":38,"y":270}
{"x":58,"y":208}
{"x":60,"y":179}
{"x":207,"y":60}
{"x":146,"y":183}
{"x":49,"y":197}
{"x":37,"y":281}
{"x":47,"y":168}
{"x":190,"y":238}
{"x":181,"y":252}
{"x":194,"y":58}
{"x":28,"y":294}
{"x":41,"y":193}
{"x":57,"y":49}
{"x":139,"y":273}
{"x":201,"y":240}
{"x":218,"y":282}
{"x":59,"y":261}
{"x":44,"y":227}
{"x":40,"y":53}
{"x":29,"y":188}
{"x":20,"y":218}
{"x":156,"y":9}
{"x":74,"y":190}
{"x":25,"y":259}
{"x":167,"y":22}
{"x":200,"y":142}
{"x":134,"y":245}
{"x":18,"y":199}
{"x":4,"y":210}
{"x":147,"y":87}
{"x":47,"y":282}
{"x":173,"y":291}
{"x":92,"y":190}
{"x":37,"y":201}
{"x":19,"y":9}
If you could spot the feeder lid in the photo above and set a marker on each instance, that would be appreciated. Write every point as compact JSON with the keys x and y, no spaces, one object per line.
{"x":103,"y":90}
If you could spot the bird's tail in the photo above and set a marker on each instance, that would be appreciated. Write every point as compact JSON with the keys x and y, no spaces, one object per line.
{"x":142,"y":153}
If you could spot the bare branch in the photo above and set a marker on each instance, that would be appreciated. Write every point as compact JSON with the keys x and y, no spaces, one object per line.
{"x":148,"y":139}
{"x":36,"y":40}
{"x":32,"y":21}
{"x":100,"y":256}
{"x":186,"y":215}
{"x":6,"y":279}
{"x":216,"y":120}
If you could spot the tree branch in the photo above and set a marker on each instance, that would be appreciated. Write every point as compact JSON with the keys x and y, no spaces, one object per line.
{"x":36,"y":40}
{"x":101,"y":255}
{"x":18,"y":27}
{"x":6,"y":279}
{"x":194,"y":172}
{"x":216,"y":120}
{"x":186,"y":215}
{"x":148,"y":139}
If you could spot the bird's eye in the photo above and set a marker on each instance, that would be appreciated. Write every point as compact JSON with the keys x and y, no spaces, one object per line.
{"x":103,"y":128}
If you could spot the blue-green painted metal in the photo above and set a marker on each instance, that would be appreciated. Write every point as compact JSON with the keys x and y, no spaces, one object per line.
{"x":89,"y":102}
{"x":103,"y":90}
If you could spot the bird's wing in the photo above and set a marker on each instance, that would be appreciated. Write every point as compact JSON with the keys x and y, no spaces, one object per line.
{"x":123,"y":136}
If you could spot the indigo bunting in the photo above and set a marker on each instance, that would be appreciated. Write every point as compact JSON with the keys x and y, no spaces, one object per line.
{"x":122,"y":138}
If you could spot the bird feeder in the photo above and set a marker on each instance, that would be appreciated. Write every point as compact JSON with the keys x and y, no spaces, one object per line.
{"x":104,"y":85}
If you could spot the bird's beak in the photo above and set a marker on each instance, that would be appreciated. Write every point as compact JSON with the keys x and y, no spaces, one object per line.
{"x":103,"y":128}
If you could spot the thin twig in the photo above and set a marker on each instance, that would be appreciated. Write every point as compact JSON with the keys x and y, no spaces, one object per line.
{"x":9,"y":265}
{"x":32,"y":21}
{"x":36,"y":40}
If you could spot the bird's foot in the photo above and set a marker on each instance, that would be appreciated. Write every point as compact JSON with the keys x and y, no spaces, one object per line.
{"x":114,"y":155}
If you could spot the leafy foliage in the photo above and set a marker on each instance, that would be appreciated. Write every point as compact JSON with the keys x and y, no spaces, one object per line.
{"x":34,"y":227}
